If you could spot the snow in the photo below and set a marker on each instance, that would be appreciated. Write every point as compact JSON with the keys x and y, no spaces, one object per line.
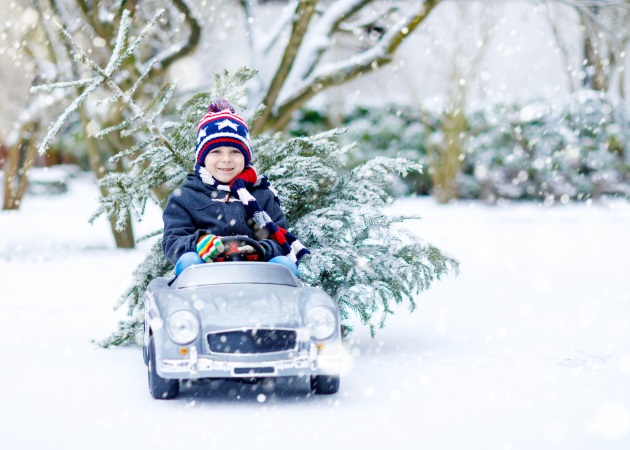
{"x":528,"y":348}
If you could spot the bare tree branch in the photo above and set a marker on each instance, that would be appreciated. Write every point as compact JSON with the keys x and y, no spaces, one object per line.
{"x":250,"y":7}
{"x":304,"y":14}
{"x":193,"y":20}
{"x":268,"y":42}
{"x":338,"y":73}
{"x":562,"y":46}
{"x":321,"y":33}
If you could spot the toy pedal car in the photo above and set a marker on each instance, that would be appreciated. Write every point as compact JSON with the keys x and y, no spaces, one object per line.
{"x":239,"y":319}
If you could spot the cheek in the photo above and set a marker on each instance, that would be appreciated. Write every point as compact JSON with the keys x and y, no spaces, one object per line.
{"x":210,"y":160}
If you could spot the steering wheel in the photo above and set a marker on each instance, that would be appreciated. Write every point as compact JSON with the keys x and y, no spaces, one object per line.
{"x":232,"y":253}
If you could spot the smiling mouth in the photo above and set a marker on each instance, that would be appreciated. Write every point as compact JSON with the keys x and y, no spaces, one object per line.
{"x":226,"y":170}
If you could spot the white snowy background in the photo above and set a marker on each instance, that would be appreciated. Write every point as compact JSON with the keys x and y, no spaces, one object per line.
{"x":529,"y":348}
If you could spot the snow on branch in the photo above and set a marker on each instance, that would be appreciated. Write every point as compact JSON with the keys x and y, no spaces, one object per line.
{"x":88,"y":85}
{"x":318,"y":37}
{"x":370,"y":60}
{"x":250,"y":7}
{"x":271,"y":37}
{"x":61,"y":120}
{"x":194,"y":20}
{"x":121,"y":39}
{"x":303,"y":15}
{"x":46,"y":88}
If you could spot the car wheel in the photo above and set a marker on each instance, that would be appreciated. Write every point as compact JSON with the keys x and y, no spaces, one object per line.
{"x":160,"y":388}
{"x":324,"y":384}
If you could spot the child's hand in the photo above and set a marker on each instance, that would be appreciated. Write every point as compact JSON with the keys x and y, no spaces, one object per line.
{"x":209,"y":246}
{"x":246,"y":249}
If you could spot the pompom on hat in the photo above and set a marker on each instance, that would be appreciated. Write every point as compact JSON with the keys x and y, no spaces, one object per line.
{"x":222,"y":127}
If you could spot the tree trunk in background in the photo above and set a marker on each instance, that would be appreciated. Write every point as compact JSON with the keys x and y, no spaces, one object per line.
{"x":99,"y":24}
{"x":445,"y":160}
{"x":20,"y":160}
{"x":124,"y":238}
{"x":593,"y":63}
{"x":464,"y":61}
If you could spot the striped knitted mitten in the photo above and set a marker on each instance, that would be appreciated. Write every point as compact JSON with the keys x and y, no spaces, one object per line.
{"x":209,"y":246}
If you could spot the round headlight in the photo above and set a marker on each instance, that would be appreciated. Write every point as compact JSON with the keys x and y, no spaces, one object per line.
{"x":321,"y":322}
{"x":183,"y":327}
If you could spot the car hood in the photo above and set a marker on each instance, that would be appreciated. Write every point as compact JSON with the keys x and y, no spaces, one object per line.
{"x":237,"y":306}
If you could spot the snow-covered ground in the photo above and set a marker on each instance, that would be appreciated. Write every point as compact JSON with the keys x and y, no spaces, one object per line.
{"x":529,"y":348}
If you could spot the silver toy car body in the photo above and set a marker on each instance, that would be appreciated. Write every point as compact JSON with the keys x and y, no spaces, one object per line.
{"x":239,"y":320}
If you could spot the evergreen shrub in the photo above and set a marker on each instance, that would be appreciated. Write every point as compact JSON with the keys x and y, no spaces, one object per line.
{"x":572,"y":149}
{"x":391,"y":130}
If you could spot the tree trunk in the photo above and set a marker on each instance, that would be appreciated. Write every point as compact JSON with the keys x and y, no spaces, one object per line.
{"x":445,"y":161}
{"x":593,"y":63}
{"x":20,"y":160}
{"x":124,"y":238}
{"x":303,"y":16}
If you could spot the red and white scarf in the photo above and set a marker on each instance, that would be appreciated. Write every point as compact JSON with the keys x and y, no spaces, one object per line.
{"x":239,"y":188}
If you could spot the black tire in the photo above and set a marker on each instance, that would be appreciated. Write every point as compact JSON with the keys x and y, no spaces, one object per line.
{"x":160,"y":388}
{"x":324,"y":384}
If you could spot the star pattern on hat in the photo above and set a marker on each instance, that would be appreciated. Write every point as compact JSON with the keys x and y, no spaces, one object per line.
{"x":227,"y":123}
{"x":202,"y":133}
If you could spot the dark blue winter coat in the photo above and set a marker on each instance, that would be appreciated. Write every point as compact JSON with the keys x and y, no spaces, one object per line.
{"x":196,"y":209}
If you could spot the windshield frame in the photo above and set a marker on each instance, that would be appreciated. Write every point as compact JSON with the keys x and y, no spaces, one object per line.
{"x":220,"y":274}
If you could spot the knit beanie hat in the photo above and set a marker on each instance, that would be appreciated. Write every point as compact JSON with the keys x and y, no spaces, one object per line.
{"x":222,"y":127}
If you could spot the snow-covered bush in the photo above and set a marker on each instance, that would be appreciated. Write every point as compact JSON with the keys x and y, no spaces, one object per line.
{"x":576,"y":149}
{"x":573,"y":149}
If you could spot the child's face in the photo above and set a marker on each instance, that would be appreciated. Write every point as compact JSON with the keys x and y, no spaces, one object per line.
{"x":224,"y":163}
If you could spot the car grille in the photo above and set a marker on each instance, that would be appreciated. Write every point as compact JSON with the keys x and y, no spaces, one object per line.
{"x":252,"y":341}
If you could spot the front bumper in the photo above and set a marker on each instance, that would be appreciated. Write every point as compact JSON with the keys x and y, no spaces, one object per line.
{"x":195,"y":366}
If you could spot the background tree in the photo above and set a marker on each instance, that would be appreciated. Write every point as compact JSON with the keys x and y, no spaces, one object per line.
{"x":20,"y":136}
{"x":445,"y":156}
{"x":372,"y":29}
{"x":89,"y":21}
{"x":606,"y":31}
{"x":600,"y":61}
{"x":461,"y":44}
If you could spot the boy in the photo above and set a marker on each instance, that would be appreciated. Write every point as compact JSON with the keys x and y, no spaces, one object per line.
{"x":223,"y":195}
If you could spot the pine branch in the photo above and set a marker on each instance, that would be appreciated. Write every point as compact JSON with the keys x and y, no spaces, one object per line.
{"x":61,"y":120}
{"x":121,"y":39}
